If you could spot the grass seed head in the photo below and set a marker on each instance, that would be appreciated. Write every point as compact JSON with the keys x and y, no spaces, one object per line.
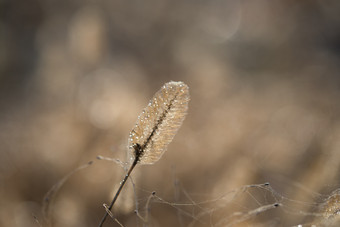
{"x":158,"y":123}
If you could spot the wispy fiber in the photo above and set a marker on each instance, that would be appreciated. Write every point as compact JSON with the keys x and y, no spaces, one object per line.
{"x":158,"y":123}
{"x":51,"y":194}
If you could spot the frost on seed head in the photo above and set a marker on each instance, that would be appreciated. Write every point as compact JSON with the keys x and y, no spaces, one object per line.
{"x":158,"y":123}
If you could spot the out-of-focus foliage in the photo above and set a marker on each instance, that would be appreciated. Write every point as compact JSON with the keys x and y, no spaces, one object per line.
{"x":264,"y":82}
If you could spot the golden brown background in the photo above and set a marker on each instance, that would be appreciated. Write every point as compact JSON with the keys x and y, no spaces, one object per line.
{"x":264,"y":82}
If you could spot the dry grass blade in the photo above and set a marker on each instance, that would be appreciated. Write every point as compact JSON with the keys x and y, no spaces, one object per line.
{"x":111,"y":215}
{"x":158,"y":123}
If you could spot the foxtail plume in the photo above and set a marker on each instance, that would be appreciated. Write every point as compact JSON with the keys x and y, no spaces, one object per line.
{"x":158,"y":123}
{"x":155,"y":128}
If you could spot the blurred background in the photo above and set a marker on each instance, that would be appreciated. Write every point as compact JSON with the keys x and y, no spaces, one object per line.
{"x":264,"y":82}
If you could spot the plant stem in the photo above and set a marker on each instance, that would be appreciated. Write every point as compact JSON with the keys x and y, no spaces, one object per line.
{"x":119,"y":189}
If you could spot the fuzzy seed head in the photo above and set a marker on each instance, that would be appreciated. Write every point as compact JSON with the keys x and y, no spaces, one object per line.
{"x":158,"y":123}
{"x":331,"y":207}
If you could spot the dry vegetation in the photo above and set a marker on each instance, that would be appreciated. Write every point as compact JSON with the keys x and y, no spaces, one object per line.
{"x":264,"y":83}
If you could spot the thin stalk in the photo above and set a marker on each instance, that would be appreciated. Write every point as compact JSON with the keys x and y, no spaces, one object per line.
{"x":119,"y":190}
